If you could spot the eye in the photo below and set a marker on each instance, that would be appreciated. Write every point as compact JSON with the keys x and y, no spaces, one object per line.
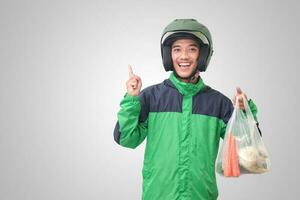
{"x":176,"y":50}
{"x":193,"y":49}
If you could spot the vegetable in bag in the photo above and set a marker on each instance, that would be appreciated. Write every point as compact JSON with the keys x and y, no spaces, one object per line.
{"x":242,"y":150}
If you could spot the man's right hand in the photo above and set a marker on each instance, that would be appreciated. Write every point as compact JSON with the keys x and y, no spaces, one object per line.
{"x":134,"y":83}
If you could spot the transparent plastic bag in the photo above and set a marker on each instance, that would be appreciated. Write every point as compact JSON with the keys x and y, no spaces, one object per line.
{"x":242,"y":150}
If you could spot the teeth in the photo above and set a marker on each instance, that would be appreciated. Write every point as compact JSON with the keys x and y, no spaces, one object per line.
{"x":184,"y":64}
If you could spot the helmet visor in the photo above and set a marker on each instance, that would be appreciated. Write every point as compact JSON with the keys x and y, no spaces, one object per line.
{"x":176,"y":34}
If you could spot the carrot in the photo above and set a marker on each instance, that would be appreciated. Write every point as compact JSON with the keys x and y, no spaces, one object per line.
{"x":234,"y":158}
{"x":231,"y":165}
{"x":227,"y":160}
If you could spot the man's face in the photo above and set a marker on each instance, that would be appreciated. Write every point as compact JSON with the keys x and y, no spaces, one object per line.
{"x":185,"y":53}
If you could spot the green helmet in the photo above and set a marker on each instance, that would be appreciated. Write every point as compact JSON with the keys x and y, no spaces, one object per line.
{"x":182,"y":29}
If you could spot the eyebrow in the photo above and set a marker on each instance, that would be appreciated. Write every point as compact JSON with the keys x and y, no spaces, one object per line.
{"x":192,"y":45}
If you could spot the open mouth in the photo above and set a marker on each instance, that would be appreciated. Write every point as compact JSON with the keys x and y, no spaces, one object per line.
{"x":184,"y":64}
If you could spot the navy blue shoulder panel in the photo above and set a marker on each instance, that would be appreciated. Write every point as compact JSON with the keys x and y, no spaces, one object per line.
{"x":212,"y":103}
{"x":117,"y":133}
{"x":163,"y":97}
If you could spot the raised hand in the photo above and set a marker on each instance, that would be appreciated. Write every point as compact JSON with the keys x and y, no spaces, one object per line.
{"x":134,"y":83}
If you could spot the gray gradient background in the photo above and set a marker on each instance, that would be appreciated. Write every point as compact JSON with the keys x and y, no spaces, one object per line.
{"x":63,"y":73}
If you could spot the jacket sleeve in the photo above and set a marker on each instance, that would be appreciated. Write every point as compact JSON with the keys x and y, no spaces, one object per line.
{"x":131,"y":128}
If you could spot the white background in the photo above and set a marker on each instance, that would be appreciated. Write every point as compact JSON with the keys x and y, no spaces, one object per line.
{"x":63,"y":68}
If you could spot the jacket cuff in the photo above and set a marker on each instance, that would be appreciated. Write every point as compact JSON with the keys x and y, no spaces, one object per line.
{"x":253,"y":108}
{"x":129,"y":97}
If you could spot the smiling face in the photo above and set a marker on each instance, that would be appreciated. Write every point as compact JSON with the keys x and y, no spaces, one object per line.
{"x":185,"y":53}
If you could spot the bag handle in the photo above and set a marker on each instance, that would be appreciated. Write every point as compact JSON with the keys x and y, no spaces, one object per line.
{"x":248,"y":115}
{"x":236,"y":108}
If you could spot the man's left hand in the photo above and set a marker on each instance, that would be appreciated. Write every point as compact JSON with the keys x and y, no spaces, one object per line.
{"x":239,"y":97}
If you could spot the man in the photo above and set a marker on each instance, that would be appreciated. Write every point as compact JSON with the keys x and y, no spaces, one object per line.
{"x":182,"y":118}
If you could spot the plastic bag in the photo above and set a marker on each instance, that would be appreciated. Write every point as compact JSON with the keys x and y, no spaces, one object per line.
{"x":242,"y":150}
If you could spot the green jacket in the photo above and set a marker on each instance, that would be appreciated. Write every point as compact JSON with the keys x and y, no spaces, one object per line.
{"x":183,"y":124}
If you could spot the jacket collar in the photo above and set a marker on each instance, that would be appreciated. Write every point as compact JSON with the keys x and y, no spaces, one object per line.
{"x":184,"y":88}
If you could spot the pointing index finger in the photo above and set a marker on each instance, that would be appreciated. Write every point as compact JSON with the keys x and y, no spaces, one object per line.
{"x":130,"y":71}
{"x":239,"y":90}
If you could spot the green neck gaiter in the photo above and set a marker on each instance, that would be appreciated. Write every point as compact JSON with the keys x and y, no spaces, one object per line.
{"x":184,"y":88}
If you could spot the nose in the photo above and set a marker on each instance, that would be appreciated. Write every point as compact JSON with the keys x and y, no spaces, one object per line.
{"x":184,"y":54}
